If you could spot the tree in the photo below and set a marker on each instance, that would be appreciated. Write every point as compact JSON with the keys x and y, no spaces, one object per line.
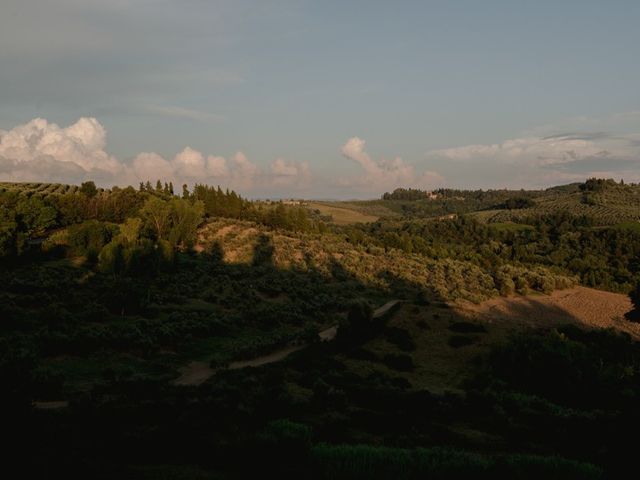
{"x":157,"y":214}
{"x":634,"y":315}
{"x":33,"y":216}
{"x":111,"y":258}
{"x":358,"y":324}
{"x":185,"y":218}
{"x":88,"y":189}
{"x":130,"y":230}
{"x":8,"y":230}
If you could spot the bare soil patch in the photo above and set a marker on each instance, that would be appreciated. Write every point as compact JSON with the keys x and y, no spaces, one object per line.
{"x":51,"y":404}
{"x":581,"y":306}
{"x":195,"y":373}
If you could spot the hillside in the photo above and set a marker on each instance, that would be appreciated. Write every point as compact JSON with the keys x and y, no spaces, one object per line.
{"x":602,"y":202}
{"x":610,"y":205}
{"x":148,"y":331}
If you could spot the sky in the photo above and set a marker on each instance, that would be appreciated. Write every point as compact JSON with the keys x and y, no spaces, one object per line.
{"x":323,"y":98}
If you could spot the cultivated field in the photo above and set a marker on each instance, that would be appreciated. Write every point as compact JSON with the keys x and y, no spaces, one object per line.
{"x":584,"y":307}
{"x":341,"y":215}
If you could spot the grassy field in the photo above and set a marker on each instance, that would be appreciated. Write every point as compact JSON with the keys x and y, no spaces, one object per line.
{"x":443,"y":340}
{"x":342,"y":215}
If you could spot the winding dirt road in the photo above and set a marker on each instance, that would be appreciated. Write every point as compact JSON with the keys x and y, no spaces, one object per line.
{"x":196,"y":373}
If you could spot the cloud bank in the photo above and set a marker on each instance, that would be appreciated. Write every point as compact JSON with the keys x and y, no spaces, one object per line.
{"x":532,"y":161}
{"x":384,"y":174}
{"x":43,"y":151}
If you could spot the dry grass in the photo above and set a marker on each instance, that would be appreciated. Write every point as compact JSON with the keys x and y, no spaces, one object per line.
{"x":581,"y":306}
{"x":342,"y":215}
{"x":440,"y":367}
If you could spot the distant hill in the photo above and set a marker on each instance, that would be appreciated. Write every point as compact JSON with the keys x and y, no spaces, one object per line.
{"x":603,"y":202}
{"x":37,"y":189}
{"x":607,"y":203}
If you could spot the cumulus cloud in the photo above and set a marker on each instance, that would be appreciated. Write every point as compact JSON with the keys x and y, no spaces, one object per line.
{"x":290,"y":174}
{"x":217,"y":166}
{"x":551,"y":159}
{"x":555,"y":149}
{"x":384,"y":174}
{"x":39,"y":149}
{"x":43,"y":151}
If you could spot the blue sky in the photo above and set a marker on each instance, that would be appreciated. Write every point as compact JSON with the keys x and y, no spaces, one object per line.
{"x":325,"y":98}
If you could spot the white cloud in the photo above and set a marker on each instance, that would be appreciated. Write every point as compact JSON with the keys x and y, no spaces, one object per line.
{"x":149,"y":166}
{"x":554,"y":149}
{"x":43,"y":151}
{"x":384,"y":174}
{"x":296,"y":175}
{"x":217,"y":166}
{"x":536,"y":161}
{"x":190,"y":163}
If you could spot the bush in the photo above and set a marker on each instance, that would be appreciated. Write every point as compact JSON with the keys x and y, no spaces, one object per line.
{"x":90,"y":236}
{"x":467,"y":327}
{"x":400,"y":362}
{"x":371,"y":462}
{"x":457,"y":341}
{"x":355,"y":462}
{"x":400,"y":338}
{"x":359,"y":322}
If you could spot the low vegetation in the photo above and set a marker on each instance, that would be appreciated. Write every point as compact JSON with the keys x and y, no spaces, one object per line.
{"x":106,"y":296}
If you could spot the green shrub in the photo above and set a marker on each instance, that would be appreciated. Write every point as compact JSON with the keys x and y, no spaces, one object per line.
{"x":400,"y":362}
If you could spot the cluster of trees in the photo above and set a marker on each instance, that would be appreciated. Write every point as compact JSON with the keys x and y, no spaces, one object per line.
{"x":166,"y":189}
{"x":598,"y":184}
{"x":123,"y":230}
{"x":219,"y":203}
{"x":580,"y":198}
{"x":142,"y":244}
{"x":27,"y":218}
{"x":517,"y":203}
{"x":22,"y":218}
{"x":406,"y":194}
{"x":412,"y":203}
{"x":601,"y":257}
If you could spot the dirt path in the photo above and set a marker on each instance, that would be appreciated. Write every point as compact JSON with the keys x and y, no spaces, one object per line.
{"x":379,"y":312}
{"x":196,"y":373}
{"x":265,"y":359}
{"x":50,"y":405}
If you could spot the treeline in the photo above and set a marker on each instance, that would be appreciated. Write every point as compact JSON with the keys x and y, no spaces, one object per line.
{"x":25,"y":219}
{"x":604,"y":258}
{"x":406,"y":194}
{"x":413,"y":203}
{"x":219,"y":203}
